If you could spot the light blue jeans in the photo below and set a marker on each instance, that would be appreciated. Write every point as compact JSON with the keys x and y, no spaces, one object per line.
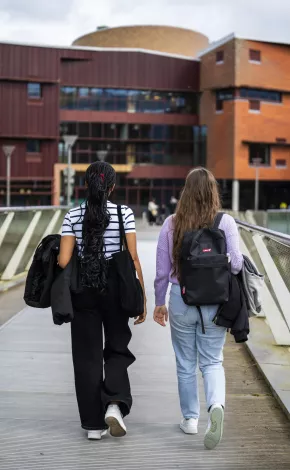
{"x":193,"y":348}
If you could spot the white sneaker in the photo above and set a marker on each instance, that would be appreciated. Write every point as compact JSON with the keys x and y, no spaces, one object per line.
{"x":189,"y":426}
{"x":115,"y":421}
{"x":214,"y":432}
{"x":96,"y":435}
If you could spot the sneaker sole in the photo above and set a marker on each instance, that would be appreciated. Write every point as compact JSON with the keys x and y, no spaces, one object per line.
{"x":214,"y":435}
{"x":97,"y":438}
{"x":116,"y":429}
{"x":188,"y":431}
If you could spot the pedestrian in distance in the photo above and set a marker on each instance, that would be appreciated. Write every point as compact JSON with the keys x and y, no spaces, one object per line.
{"x":196,"y":338}
{"x":152,"y":212}
{"x":173,"y":204}
{"x":95,"y":229}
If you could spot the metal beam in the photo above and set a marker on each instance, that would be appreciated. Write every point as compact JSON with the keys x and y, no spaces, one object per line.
{"x":5,"y":226}
{"x":16,"y":258}
{"x":273,"y":315}
{"x":281,"y":291}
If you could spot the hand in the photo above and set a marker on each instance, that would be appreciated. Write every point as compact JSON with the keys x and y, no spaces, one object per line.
{"x":161,"y":315}
{"x":142,"y":317}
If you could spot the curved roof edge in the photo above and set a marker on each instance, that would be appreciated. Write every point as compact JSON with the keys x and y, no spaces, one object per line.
{"x":140,"y":26}
{"x":101,"y":49}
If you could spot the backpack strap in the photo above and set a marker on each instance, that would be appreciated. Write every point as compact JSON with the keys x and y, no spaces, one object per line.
{"x":201,"y":319}
{"x":123,"y":239}
{"x":218,"y":220}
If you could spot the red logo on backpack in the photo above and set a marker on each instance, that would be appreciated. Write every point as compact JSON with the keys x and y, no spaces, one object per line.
{"x":206,"y":250}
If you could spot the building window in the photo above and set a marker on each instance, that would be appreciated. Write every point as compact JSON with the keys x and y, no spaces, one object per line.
{"x":281,"y":163}
{"x":34,"y":91}
{"x":259,"y":153}
{"x":133,"y":101}
{"x":219,"y":105}
{"x":262,"y":95}
{"x":227,"y":94}
{"x":254,"y":106}
{"x":33,"y":146}
{"x":255,"y":56}
{"x":219,"y":58}
{"x":83,"y":99}
{"x":135,"y":143}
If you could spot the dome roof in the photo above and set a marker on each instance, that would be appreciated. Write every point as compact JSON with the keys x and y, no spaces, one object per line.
{"x":167,"y":39}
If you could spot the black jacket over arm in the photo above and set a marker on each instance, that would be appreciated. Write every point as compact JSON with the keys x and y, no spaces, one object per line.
{"x":66,"y":281}
{"x":48,"y":285}
{"x":234,"y":313}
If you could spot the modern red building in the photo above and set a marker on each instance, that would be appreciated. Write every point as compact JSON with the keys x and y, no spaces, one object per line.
{"x":151,"y":103}
{"x":137,"y":108}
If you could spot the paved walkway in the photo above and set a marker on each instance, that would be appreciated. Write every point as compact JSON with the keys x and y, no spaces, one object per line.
{"x":39,"y":424}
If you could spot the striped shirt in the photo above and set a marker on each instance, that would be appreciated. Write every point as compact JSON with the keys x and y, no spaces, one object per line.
{"x":73,"y":225}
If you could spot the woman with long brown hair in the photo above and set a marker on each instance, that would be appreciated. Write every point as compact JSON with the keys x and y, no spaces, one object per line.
{"x":198,"y":208}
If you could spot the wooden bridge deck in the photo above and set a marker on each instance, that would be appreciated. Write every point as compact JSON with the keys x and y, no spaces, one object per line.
{"x":39,"y":424}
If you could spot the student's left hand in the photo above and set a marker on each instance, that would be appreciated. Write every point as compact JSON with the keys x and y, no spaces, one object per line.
{"x":161,"y":315}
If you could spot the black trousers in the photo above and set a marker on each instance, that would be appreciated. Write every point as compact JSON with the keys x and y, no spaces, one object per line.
{"x":101,"y":375}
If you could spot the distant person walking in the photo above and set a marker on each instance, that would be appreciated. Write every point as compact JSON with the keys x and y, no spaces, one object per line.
{"x":152,"y":211}
{"x":173,"y":204}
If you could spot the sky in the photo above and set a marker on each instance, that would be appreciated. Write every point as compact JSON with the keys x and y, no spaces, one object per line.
{"x":59,"y":22}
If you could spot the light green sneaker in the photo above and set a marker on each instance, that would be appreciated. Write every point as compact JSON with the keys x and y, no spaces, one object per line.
{"x":214,"y":432}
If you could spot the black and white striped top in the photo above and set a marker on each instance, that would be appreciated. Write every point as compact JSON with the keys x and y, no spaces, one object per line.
{"x":73,"y":224}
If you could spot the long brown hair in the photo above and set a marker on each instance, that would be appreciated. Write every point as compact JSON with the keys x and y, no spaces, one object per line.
{"x":198,"y":206}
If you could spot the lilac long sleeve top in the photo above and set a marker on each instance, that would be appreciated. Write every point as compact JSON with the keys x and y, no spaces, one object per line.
{"x":164,"y":263}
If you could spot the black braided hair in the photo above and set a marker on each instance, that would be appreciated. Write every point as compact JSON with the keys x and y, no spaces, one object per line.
{"x":100,"y":180}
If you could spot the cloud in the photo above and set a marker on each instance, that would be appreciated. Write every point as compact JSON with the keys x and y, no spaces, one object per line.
{"x":62,"y":21}
{"x":30,"y":10}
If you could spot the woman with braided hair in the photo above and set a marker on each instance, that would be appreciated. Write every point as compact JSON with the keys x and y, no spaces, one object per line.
{"x":93,"y":226}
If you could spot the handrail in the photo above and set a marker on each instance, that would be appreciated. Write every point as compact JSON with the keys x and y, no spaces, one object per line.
{"x":5,"y":210}
{"x":264,"y":231}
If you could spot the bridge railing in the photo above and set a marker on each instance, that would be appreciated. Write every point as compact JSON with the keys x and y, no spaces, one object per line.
{"x":270,"y":251}
{"x":21,"y":230}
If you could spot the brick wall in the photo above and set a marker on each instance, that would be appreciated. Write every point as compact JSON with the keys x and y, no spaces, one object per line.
{"x":220,"y":135}
{"x":274,"y":70}
{"x":271,"y":123}
{"x":227,"y":155}
{"x":213,"y":75}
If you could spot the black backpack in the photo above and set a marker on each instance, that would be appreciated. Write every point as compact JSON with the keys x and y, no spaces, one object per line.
{"x":205,"y":268}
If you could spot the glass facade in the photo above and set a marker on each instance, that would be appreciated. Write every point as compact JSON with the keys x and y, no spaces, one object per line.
{"x":262,"y":95}
{"x":131,"y":101}
{"x":137,"y":144}
{"x":228,"y":94}
{"x":135,"y":193}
